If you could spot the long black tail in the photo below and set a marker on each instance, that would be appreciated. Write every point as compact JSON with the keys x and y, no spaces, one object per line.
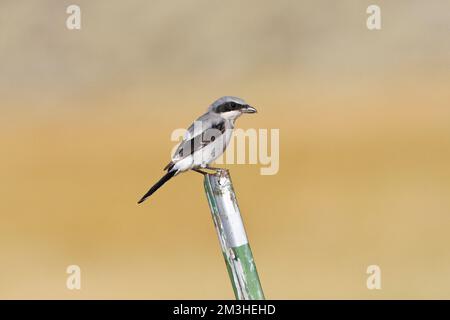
{"x":158,"y":185}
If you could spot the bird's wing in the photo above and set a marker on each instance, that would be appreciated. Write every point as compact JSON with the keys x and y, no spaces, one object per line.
{"x":202,"y":123}
{"x":204,"y":131}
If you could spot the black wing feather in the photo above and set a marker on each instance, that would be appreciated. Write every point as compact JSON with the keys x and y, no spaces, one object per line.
{"x":188,"y":147}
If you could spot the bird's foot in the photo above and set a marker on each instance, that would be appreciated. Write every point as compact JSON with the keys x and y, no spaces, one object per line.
{"x":200,"y":171}
{"x":204,"y":170}
{"x":216,"y":170}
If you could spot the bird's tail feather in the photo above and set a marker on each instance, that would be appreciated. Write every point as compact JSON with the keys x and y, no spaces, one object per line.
{"x":158,"y":185}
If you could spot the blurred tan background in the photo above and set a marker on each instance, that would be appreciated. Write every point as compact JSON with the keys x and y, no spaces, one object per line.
{"x":86,"y":118}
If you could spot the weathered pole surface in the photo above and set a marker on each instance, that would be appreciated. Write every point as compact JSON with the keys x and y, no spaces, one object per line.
{"x":233,"y":239}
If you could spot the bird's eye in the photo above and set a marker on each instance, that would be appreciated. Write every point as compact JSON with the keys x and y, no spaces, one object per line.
{"x":213,"y":138}
{"x":229,"y":106}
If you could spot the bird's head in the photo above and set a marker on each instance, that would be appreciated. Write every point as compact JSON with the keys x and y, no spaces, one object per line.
{"x":230,"y":107}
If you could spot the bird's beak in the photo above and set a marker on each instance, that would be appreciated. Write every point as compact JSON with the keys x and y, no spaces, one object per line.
{"x":249,"y":109}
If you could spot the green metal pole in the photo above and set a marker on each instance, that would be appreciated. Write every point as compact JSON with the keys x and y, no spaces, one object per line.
{"x":233,"y":239}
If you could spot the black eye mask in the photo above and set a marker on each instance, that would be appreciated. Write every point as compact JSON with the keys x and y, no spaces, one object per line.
{"x":228,"y":106}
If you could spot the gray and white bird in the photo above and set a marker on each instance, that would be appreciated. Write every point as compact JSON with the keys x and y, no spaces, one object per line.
{"x":205,"y":140}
